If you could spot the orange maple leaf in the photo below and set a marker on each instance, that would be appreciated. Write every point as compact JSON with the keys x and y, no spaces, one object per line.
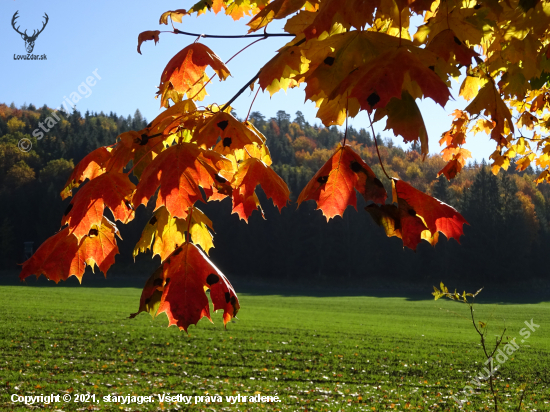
{"x":185,"y":72}
{"x":233,"y":133}
{"x":278,"y":9}
{"x":178,"y":289}
{"x":437,"y":215}
{"x":113,"y":190}
{"x":489,"y":101}
{"x":456,"y":158}
{"x":387,"y":75}
{"x":88,"y":168}
{"x":333,"y":186}
{"x":253,"y":172}
{"x":179,"y":171}
{"x":61,"y":256}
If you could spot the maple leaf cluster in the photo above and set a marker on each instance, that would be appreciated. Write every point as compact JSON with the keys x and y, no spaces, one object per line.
{"x":350,"y":56}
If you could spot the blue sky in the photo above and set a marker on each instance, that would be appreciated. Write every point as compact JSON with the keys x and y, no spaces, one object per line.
{"x":84,"y":36}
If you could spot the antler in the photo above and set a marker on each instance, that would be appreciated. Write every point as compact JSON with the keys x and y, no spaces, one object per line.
{"x":34,"y":33}
{"x":43,"y":27}
{"x":15,"y":16}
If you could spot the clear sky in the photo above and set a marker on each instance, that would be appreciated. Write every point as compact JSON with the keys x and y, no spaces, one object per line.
{"x":81,"y":37}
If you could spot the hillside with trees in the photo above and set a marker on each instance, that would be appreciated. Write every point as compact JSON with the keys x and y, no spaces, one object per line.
{"x":502,"y":244}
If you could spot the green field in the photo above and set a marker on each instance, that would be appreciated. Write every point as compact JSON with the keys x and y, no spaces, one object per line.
{"x":316,"y":353}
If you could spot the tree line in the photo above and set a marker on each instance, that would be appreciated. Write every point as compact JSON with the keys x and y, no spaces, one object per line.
{"x":508,"y":215}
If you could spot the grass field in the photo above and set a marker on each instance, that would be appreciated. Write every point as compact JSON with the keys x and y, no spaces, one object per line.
{"x":315,"y":353}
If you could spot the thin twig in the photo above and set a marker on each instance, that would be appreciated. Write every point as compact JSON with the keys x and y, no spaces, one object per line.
{"x":225,"y":106}
{"x":376,"y":144}
{"x":242,"y":36}
{"x":521,"y":398}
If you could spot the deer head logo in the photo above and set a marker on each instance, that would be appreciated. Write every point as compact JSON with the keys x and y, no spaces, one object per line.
{"x":29,"y":40}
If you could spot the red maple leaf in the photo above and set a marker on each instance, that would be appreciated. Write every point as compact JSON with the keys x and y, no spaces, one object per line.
{"x":113,"y":190}
{"x":437,"y":215}
{"x":179,"y":171}
{"x":253,"y":172}
{"x":61,"y":256}
{"x":333,"y":186}
{"x":178,"y":289}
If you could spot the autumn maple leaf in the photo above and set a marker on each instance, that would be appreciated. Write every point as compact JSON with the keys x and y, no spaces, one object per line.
{"x":164,"y":233}
{"x":279,"y":9}
{"x":253,"y":172}
{"x":386,"y":76}
{"x":489,"y":101}
{"x":185,"y":73}
{"x":90,"y":167}
{"x":61,"y":256}
{"x":112,"y":190}
{"x":400,"y":221}
{"x":179,"y":171}
{"x":178,"y":289}
{"x":333,"y":186}
{"x":232,"y":133}
{"x":437,"y":215}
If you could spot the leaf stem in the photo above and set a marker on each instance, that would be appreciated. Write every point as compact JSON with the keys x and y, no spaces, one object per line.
{"x":231,"y":58}
{"x":376,"y":144}
{"x":241,"y":91}
{"x":346,"y":131}
{"x":251,"y":104}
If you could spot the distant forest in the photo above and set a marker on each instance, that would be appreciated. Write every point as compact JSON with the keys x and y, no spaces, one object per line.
{"x":506,"y":242}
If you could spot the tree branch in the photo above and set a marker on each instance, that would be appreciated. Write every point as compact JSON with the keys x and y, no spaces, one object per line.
{"x":242,"y":36}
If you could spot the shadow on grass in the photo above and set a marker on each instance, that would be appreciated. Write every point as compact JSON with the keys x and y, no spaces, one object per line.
{"x":501,"y":294}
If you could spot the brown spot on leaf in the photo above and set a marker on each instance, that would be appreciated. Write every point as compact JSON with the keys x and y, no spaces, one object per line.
{"x":412,"y":212}
{"x":356,"y":167}
{"x":93,"y":233}
{"x":212,"y":279}
{"x":373,"y":99}
{"x":322,"y":179}
{"x":144,"y":139}
{"x":329,"y":61}
{"x":223,"y":124}
{"x":153,"y":220}
{"x":227,"y":297}
{"x":226,"y":141}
